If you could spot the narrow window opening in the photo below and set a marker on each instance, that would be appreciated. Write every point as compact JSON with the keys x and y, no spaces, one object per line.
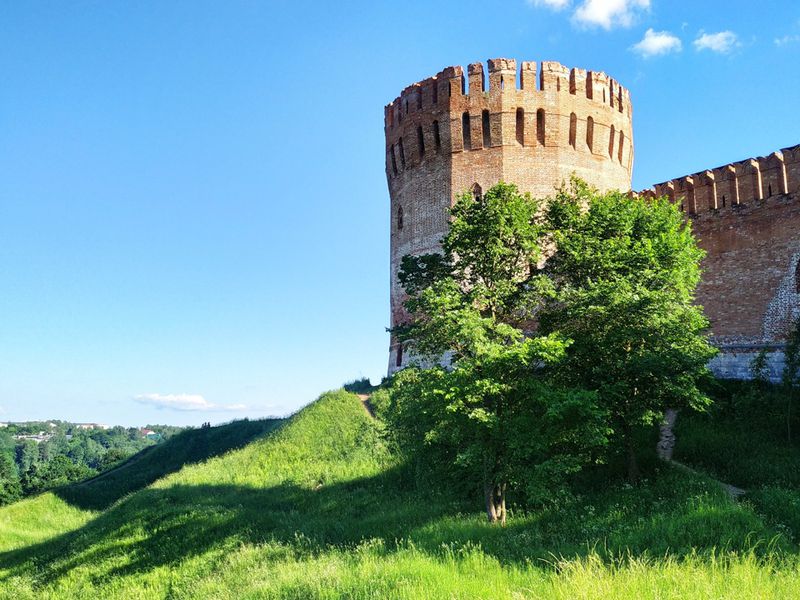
{"x":399,"y":359}
{"x":611,"y":142}
{"x":419,"y":99}
{"x":399,"y":218}
{"x":590,"y":133}
{"x":619,"y":99}
{"x":477,"y":192}
{"x":589,"y":90}
{"x":769,"y":188}
{"x":621,"y":145}
{"x":405,"y":103}
{"x":558,"y":84}
{"x":723,"y":200}
{"x":573,"y":129}
{"x":502,"y":83}
{"x":681,"y":207}
{"x":402,"y":153}
{"x":487,"y":131}
{"x":437,"y":141}
{"x":540,"y":126}
{"x":435,"y":92}
{"x":466,"y":134}
{"x":420,"y":141}
{"x":521,"y":126}
{"x":394,"y":160}
{"x":604,"y":96}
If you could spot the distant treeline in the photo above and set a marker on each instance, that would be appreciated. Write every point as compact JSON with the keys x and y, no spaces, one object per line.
{"x":40,"y":455}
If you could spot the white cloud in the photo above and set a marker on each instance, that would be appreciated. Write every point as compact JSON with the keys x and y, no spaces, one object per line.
{"x":609,"y":13}
{"x":185,"y":402}
{"x":722,"y":42}
{"x":554,"y":4}
{"x":787,"y":39}
{"x":655,"y":43}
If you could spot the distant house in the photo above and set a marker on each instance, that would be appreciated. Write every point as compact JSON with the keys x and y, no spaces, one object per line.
{"x":150,"y":434}
{"x":91,"y":426}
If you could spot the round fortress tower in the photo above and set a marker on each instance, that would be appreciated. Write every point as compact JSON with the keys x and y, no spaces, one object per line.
{"x":446,"y":135}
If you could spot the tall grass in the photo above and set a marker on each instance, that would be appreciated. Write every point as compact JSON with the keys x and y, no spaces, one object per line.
{"x":319,"y":508}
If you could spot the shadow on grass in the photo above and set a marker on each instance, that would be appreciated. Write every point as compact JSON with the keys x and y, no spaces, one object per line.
{"x":162,"y":527}
{"x":145,"y":467}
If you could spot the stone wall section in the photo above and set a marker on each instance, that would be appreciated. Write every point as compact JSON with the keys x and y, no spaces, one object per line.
{"x":746,"y":216}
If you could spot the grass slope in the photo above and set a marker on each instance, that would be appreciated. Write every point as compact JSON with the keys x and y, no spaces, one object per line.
{"x":318,"y":509}
{"x":61,"y":510}
{"x":142,"y":469}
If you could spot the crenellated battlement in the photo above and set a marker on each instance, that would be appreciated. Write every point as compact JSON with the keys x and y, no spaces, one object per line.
{"x":498,"y":105}
{"x":734,"y":184}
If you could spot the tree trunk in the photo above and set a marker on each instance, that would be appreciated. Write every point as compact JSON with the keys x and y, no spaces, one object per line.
{"x":633,"y":465}
{"x":491,"y":509}
{"x":495,"y":497}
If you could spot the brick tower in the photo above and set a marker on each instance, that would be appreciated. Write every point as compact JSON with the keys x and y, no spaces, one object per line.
{"x":444,"y":137}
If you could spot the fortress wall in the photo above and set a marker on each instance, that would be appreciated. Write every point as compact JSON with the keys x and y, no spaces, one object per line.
{"x":746,"y":216}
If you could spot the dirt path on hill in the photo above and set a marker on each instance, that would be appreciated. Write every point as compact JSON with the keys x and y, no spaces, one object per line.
{"x":366,"y":404}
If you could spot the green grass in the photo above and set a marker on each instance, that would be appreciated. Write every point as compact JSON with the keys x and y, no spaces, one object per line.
{"x":743,"y":440}
{"x":317,"y":507}
{"x":142,"y":469}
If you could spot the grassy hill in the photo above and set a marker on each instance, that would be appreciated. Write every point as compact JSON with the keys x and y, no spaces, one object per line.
{"x":317,"y":507}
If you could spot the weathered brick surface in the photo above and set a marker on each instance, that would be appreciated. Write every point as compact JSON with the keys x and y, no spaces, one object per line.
{"x":746,"y":216}
{"x":534,"y":129}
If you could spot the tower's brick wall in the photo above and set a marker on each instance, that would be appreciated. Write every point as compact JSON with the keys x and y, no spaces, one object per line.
{"x":449,"y":134}
{"x":746,"y":216}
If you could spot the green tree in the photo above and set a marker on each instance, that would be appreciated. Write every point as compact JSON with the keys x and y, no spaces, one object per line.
{"x":27,"y":455}
{"x":624,"y":272}
{"x":56,"y":472}
{"x":490,"y":411}
{"x":10,"y":489}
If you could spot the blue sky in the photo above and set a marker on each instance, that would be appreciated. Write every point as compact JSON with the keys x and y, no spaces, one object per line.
{"x":193,"y":207}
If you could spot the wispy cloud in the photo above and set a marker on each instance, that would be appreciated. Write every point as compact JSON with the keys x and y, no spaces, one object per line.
{"x":185,"y":402}
{"x":609,"y":13}
{"x":598,"y":13}
{"x":655,"y":43}
{"x":786,"y":40}
{"x":554,"y":4}
{"x":721,"y":42}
